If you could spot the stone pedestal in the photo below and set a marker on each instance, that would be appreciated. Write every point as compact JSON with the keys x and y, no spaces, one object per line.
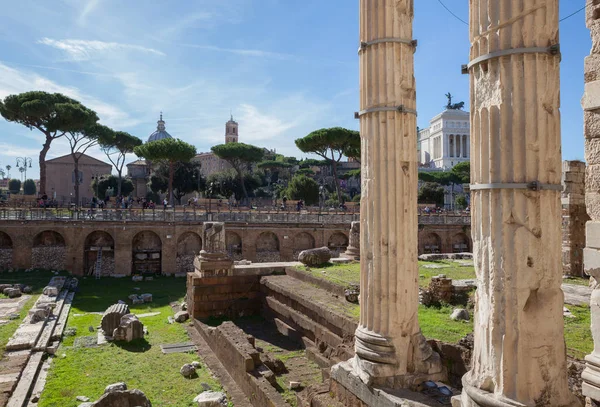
{"x":353,"y":250}
{"x":574,"y":217}
{"x":591,"y":254}
{"x":519,"y":356}
{"x":390,"y":349}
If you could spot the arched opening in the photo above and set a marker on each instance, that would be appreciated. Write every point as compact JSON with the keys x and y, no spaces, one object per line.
{"x":6,"y":251}
{"x":48,"y":251}
{"x":461,"y":243}
{"x":303,"y":241}
{"x":146,"y":253}
{"x":99,"y":254}
{"x":233,"y":242}
{"x":267,"y":248}
{"x":189,"y":245}
{"x":338,"y":243}
{"x":432,"y":243}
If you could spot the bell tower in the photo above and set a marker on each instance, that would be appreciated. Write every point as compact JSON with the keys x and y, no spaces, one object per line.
{"x":231,"y":131}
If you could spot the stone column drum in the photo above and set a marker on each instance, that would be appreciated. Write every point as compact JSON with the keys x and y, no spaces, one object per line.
{"x":591,"y":253}
{"x":353,"y":250}
{"x":390,"y":349}
{"x":519,"y":356}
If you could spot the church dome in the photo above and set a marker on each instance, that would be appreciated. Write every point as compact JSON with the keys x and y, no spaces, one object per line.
{"x":160,"y":132}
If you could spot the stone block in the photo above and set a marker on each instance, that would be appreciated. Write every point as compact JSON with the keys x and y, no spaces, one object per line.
{"x":592,"y":205}
{"x":592,"y":234}
{"x":591,"y":96}
{"x":211,"y":399}
{"x":111,"y":318}
{"x":50,"y":291}
{"x":146,"y":297}
{"x":592,"y":150}
{"x":591,"y":124}
{"x":592,"y":178}
{"x":129,"y":329}
{"x":315,"y":257}
{"x":591,"y":262}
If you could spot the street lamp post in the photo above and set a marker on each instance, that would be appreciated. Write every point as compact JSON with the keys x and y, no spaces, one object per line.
{"x":23,"y":162}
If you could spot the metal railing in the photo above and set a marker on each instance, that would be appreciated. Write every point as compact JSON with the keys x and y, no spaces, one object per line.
{"x":186,"y":214}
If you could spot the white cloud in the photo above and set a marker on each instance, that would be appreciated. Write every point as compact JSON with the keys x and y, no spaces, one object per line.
{"x":15,"y":81}
{"x":82,"y":50}
{"x":244,"y":52}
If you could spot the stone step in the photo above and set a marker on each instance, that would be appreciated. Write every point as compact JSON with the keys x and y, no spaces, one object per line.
{"x":62,"y":319}
{"x":327,"y":309}
{"x":46,"y":335}
{"x":27,"y":381}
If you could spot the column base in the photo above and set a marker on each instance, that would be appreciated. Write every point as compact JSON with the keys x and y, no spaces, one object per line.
{"x":351,"y":253}
{"x":590,"y":387}
{"x":376,"y":361}
{"x":475,"y":397}
{"x":348,"y":386}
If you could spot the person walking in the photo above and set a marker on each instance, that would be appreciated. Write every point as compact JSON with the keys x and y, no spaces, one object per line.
{"x":165,"y":203}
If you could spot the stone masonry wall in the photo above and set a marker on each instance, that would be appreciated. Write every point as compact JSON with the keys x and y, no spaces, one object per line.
{"x":574,"y":217}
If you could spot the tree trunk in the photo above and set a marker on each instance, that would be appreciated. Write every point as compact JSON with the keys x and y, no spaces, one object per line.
{"x":76,"y":170}
{"x":119,"y":171}
{"x":171,"y":171}
{"x":243,"y":187}
{"x":42,"y":163}
{"x":335,"y":179}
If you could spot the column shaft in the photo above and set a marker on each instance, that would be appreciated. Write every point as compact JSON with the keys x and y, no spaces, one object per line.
{"x":519,"y":354}
{"x":591,"y":254}
{"x":388,"y":342}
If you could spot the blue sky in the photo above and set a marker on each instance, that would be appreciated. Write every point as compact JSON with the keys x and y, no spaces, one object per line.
{"x":283,"y":67}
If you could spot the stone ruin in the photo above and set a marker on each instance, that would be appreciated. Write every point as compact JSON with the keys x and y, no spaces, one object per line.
{"x":130,"y":328}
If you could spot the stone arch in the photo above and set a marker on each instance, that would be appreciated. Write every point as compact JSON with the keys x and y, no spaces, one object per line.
{"x":432,"y":243}
{"x":48,"y":251}
{"x":99,"y":250}
{"x":146,"y":253}
{"x":303,"y":241}
{"x":267,"y":248}
{"x":337,"y":243}
{"x":461,"y":243}
{"x":6,"y":251}
{"x":189,"y":245}
{"x":233,"y":243}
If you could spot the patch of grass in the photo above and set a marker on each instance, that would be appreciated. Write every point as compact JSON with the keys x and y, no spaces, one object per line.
{"x":578,"y":334}
{"x":349,"y":274}
{"x":436,"y":324}
{"x":451,"y":269}
{"x":7,"y":330}
{"x":140,"y":364}
{"x":577,"y":281}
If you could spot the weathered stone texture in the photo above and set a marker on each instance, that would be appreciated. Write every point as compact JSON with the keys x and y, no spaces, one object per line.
{"x":48,"y":257}
{"x":519,"y":355}
{"x":315,"y":257}
{"x":5,"y":258}
{"x":112,"y":317}
{"x":185,"y":263}
{"x":390,"y":349}
{"x":574,"y":217}
{"x":130,"y":328}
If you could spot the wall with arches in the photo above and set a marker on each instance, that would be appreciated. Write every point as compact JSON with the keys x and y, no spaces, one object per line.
{"x":169,"y":248}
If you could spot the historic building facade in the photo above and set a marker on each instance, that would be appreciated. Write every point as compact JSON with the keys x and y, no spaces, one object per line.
{"x":209,"y":162}
{"x":445,"y":142}
{"x":61,"y":177}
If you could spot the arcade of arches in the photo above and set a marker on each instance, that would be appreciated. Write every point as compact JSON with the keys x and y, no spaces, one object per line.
{"x":170,"y":248}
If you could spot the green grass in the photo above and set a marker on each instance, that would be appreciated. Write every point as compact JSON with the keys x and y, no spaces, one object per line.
{"x":578,"y":334}
{"x":436,"y":324}
{"x":349,"y":274}
{"x":141,"y":364}
{"x":577,"y":281}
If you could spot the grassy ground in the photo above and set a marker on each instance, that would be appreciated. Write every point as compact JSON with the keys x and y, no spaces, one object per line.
{"x":86,"y":371}
{"x":349,"y":274}
{"x":577,"y":281}
{"x":37,"y":280}
{"x":435,"y":322}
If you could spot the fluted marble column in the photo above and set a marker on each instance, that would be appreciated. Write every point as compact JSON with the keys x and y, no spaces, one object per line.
{"x":390,"y":349}
{"x":519,"y":357}
{"x":591,"y":254}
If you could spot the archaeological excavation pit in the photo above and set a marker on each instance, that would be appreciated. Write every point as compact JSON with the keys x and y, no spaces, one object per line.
{"x":99,"y":254}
